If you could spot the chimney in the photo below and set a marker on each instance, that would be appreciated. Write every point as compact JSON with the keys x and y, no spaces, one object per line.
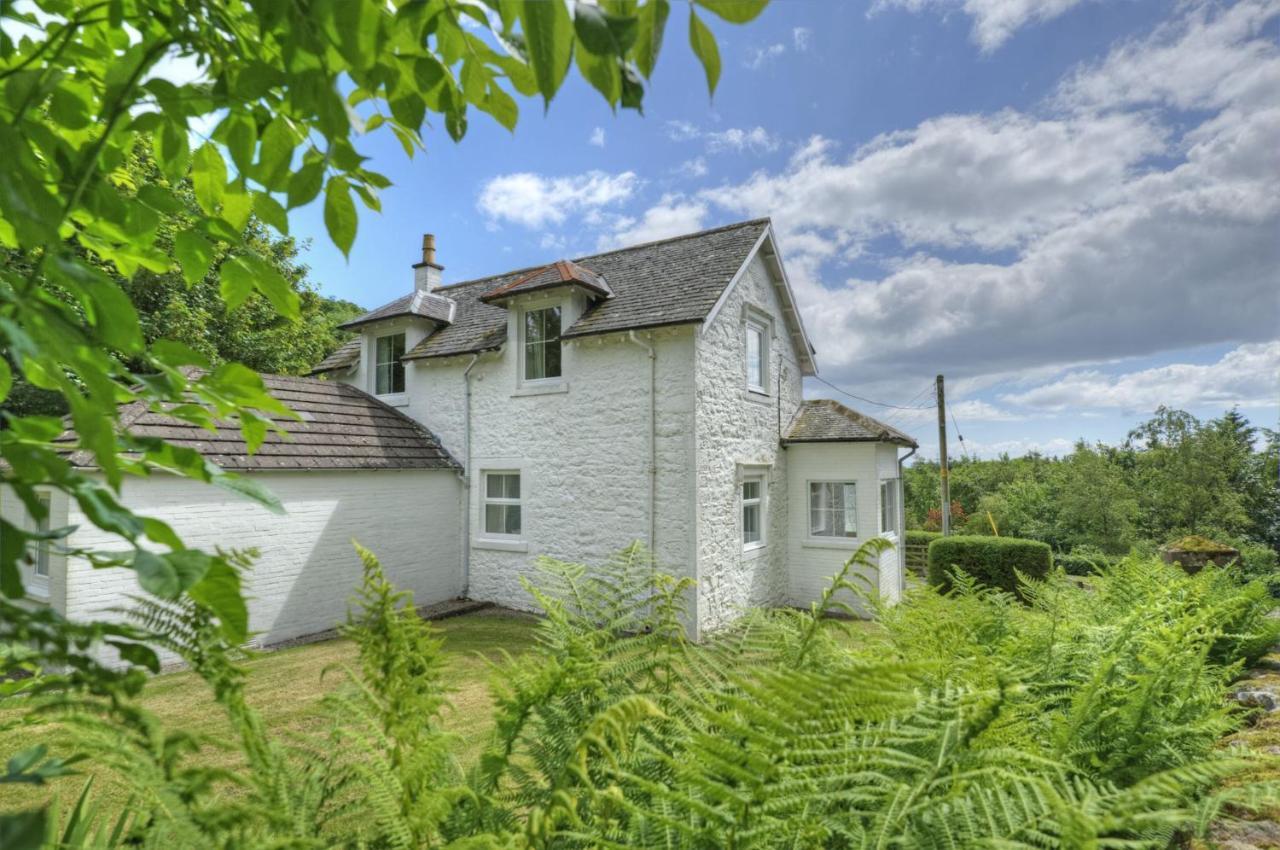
{"x":426,"y":274}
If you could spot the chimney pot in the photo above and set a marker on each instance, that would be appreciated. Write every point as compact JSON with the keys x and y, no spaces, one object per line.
{"x":428,"y":248}
{"x":426,"y":274}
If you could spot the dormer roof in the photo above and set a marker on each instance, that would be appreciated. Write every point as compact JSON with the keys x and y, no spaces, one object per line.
{"x":559,"y":273}
{"x":418,"y":304}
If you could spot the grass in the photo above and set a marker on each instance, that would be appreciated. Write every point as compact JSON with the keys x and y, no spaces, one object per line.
{"x":286,"y":688}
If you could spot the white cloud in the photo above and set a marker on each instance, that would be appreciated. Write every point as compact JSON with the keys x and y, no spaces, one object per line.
{"x":535,"y":201}
{"x":1108,"y":251}
{"x":736,"y":139}
{"x":696,"y":167}
{"x":758,"y":57}
{"x":994,"y":21}
{"x":673,"y":215}
{"x":986,"y":180}
{"x":1248,"y":376}
{"x":801,"y":37}
{"x":597,"y":137}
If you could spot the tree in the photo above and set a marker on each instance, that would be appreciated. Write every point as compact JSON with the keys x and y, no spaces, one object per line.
{"x":1095,"y":505}
{"x":289,"y":89}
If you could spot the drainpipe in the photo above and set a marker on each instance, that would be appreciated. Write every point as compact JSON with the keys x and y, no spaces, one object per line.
{"x":466,"y":478}
{"x":902,"y":524}
{"x":653,"y":434}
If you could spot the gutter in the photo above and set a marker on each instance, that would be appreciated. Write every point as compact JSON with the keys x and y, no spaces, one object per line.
{"x":466,"y":478}
{"x":653,"y":434}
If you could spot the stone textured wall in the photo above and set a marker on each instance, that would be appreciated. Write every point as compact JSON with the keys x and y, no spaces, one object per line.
{"x":307,"y":570}
{"x":737,"y":429}
{"x":581,"y":448}
{"x":813,"y":561}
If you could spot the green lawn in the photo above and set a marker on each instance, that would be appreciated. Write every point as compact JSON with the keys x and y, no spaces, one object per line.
{"x":286,"y":687}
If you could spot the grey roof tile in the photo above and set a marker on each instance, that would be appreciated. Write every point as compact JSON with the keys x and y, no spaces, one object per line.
{"x":342,"y":358}
{"x":825,"y":420}
{"x":425,"y":305}
{"x":341,"y":428}
{"x":674,"y":281}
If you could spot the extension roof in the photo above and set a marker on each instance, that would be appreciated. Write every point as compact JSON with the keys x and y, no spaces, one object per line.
{"x":419,"y":304}
{"x":341,"y":428}
{"x":673,"y":281}
{"x":824,"y":420}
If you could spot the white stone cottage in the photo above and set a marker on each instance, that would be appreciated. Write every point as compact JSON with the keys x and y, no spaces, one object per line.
{"x":652,"y":393}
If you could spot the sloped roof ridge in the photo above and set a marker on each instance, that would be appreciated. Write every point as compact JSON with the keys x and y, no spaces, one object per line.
{"x":585,"y":257}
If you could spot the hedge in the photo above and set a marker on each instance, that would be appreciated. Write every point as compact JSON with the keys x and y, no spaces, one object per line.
{"x":916,"y":537}
{"x":1082,"y":565}
{"x":993,"y":561}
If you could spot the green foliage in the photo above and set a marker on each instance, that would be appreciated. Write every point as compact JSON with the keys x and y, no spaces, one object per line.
{"x":144,"y":256}
{"x":993,"y":561}
{"x":916,"y":537}
{"x":1080,"y":718}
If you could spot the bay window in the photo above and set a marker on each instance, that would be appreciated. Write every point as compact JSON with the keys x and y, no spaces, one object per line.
{"x":833,"y":509}
{"x":889,"y":506}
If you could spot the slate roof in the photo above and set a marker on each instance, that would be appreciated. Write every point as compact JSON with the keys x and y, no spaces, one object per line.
{"x":425,"y":305}
{"x":671,"y":282}
{"x":341,"y":428}
{"x":559,"y":273}
{"x":825,"y":420}
{"x":342,"y":358}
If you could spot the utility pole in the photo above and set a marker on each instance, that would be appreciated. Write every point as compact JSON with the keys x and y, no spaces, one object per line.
{"x":942,"y":459}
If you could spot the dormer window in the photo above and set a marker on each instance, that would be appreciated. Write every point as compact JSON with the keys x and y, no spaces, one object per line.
{"x":541,"y":344}
{"x":388,"y":370}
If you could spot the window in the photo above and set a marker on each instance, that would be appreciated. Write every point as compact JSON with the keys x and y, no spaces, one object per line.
{"x":889,"y":506}
{"x":753,"y":511}
{"x":388,"y":370}
{"x":542,"y":344}
{"x":833,"y":509}
{"x":40,"y":557}
{"x":757,"y":357}
{"x":502,"y":504}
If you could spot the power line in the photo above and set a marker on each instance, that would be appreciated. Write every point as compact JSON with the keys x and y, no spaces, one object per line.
{"x":871,"y":400}
{"x":964,"y":450}
{"x":897,"y":415}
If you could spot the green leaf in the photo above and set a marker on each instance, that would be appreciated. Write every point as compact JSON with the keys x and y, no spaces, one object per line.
{"x":651,"y":23}
{"x":704,"y":47}
{"x":548,"y":34}
{"x":602,"y":72}
{"x":734,"y":11}
{"x":592,"y":28}
{"x":340,"y":214}
{"x":169,"y":575}
{"x":219,"y":591}
{"x":275,"y":154}
{"x":241,"y":139}
{"x":306,"y":183}
{"x":209,"y":177}
{"x":23,"y":830}
{"x":6,"y":379}
{"x":236,"y":282}
{"x":269,"y":210}
{"x":195,"y":255}
{"x":236,"y":207}
{"x":268,"y":280}
{"x":171,"y":149}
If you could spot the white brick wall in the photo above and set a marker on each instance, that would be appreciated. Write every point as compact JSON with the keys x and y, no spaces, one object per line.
{"x":307,"y":570}
{"x":737,"y":429}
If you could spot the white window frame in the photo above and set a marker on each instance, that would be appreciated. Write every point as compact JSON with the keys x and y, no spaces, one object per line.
{"x":751,"y":326}
{"x":486,"y":500}
{"x":808,"y":495}
{"x":40,"y":567}
{"x":404,"y":377}
{"x":522,"y":319}
{"x":894,"y":488}
{"x":761,"y":503}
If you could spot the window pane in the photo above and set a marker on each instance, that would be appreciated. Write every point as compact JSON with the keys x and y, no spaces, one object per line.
{"x":755,"y":370}
{"x":542,"y":344}
{"x":493,"y":486}
{"x":511,"y":486}
{"x":494,"y":519}
{"x":751,"y":489}
{"x":512,"y":519}
{"x":750,"y":523}
{"x":388,"y":370}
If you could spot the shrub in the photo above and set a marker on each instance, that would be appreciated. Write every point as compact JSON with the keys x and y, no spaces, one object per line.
{"x":916,"y":537}
{"x":1084,"y":561}
{"x":993,"y":561}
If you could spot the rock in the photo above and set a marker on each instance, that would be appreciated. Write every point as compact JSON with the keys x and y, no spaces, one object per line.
{"x":1244,"y":834}
{"x":1256,"y":698}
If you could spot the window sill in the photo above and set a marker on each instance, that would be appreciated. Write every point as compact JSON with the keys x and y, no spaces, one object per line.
{"x":757,"y":397}
{"x":394,"y":399}
{"x":500,"y":545}
{"x":754,"y":550}
{"x":830,"y":543}
{"x":541,"y":389}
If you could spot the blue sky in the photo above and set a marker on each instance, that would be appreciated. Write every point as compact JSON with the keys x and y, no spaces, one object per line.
{"x":1069,"y":207}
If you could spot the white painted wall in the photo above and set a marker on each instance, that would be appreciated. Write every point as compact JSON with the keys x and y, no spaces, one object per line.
{"x":813,"y":561}
{"x":307,"y":570}
{"x":581,"y":448}
{"x":737,"y":432}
